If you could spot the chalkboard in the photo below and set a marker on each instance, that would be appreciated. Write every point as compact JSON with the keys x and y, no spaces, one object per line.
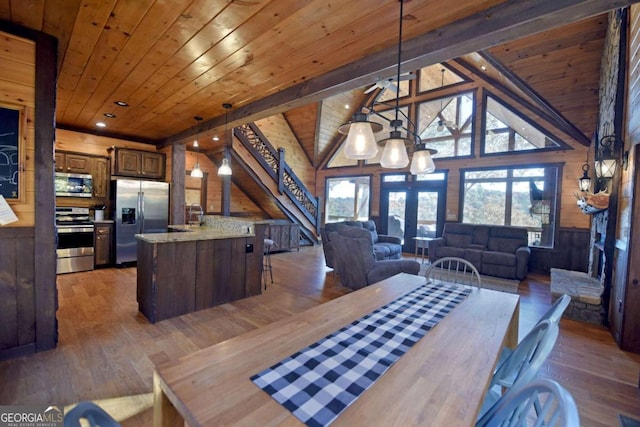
{"x":9,"y":153}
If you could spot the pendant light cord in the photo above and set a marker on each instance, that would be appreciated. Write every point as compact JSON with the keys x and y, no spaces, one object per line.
{"x":399,"y":59}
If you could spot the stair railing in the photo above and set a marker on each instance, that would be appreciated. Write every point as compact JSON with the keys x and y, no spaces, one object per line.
{"x":273,"y":162}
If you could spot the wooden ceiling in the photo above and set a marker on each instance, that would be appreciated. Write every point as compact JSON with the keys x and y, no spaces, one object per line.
{"x":171,"y":60}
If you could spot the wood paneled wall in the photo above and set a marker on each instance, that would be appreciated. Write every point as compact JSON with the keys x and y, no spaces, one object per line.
{"x":240,"y":203}
{"x":17,"y":90}
{"x":573,"y":158}
{"x":87,"y":143}
{"x":280,"y":135}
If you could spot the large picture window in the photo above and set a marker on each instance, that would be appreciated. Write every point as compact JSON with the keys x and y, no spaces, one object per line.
{"x":521,"y":197}
{"x":347,"y":198}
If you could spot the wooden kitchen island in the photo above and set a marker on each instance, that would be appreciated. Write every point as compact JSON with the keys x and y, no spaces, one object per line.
{"x":198,"y":267}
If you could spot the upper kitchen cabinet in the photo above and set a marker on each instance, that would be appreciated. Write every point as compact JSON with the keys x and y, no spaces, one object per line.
{"x":139,"y":164}
{"x":100,"y":175}
{"x":73,"y":163}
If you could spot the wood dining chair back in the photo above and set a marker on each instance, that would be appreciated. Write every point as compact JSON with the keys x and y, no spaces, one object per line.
{"x":88,"y":413}
{"x":454,"y":270}
{"x":523,"y":364}
{"x":542,"y":403}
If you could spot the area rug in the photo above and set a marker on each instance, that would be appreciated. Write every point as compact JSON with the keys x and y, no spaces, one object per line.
{"x":489,"y":282}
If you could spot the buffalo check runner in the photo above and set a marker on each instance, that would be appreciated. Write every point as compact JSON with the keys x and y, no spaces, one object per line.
{"x":317,"y":383}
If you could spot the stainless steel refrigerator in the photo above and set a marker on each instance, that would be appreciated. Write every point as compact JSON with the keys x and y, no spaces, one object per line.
{"x":140,"y":207}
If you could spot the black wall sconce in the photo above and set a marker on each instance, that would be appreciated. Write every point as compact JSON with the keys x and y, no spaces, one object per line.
{"x":606,"y":163}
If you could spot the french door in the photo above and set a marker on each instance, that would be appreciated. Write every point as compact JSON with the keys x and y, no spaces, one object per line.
{"x":410,"y":210}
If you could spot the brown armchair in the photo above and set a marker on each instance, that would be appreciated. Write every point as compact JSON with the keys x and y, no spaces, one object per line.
{"x":355,"y":262}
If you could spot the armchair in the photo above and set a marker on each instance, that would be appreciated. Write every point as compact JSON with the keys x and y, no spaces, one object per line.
{"x":355,"y":262}
{"x":384,"y":246}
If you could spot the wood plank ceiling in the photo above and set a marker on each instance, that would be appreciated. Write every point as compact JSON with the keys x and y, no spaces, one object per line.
{"x":171,"y":60}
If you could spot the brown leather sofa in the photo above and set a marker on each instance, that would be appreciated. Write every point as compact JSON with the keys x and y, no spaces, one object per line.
{"x":499,"y":251}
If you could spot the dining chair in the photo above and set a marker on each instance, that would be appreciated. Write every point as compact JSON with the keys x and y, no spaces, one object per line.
{"x":91,"y":414}
{"x":454,"y":270}
{"x":542,"y":403}
{"x":553,"y":315}
{"x":523,"y":364}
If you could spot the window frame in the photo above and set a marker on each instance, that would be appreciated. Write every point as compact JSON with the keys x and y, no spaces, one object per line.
{"x":556,"y":214}
{"x":483,"y":129}
{"x":472,"y":120}
{"x":346,"y":177}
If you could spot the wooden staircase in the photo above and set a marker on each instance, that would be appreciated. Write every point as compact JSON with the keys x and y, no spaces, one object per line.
{"x":269,"y":169}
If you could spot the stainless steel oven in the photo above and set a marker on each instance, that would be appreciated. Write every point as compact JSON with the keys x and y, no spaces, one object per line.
{"x":75,"y":240}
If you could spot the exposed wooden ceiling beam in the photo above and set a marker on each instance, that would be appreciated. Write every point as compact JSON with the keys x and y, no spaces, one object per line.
{"x":555,"y":117}
{"x":508,"y":21}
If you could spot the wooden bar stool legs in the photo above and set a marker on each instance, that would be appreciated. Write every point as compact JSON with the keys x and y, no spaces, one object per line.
{"x":266,"y":263}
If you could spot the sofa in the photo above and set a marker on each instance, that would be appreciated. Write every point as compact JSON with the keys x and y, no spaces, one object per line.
{"x":384,"y":246}
{"x":499,"y":251}
{"x":357,"y":266}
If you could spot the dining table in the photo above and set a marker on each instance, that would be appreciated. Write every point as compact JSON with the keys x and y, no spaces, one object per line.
{"x":440,"y":381}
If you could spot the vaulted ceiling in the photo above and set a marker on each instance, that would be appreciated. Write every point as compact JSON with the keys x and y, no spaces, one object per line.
{"x":171,"y":60}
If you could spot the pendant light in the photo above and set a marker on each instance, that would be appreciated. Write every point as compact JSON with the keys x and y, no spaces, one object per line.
{"x":360,"y":144}
{"x":395,"y":151}
{"x":225,"y":167}
{"x":196,"y":172}
{"x":584,"y":183}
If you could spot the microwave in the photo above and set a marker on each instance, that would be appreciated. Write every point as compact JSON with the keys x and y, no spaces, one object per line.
{"x":73,"y":185}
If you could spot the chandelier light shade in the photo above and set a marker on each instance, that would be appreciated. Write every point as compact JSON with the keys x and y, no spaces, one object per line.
{"x":395,"y":154}
{"x":422,"y":162}
{"x":584,"y":183}
{"x":360,"y":144}
{"x":196,"y":172}
{"x":225,"y":167}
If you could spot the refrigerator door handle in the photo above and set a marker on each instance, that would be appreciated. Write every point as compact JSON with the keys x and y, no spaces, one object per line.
{"x":141,"y":211}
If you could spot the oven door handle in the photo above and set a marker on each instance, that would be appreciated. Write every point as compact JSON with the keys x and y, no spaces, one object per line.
{"x":65,"y":230}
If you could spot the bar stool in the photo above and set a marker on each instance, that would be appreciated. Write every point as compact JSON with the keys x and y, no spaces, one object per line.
{"x":266,"y":263}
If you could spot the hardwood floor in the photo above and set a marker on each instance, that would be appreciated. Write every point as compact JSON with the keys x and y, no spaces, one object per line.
{"x":108,"y":350}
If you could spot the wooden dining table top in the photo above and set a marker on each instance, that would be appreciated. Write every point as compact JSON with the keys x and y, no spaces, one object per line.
{"x":440,"y":381}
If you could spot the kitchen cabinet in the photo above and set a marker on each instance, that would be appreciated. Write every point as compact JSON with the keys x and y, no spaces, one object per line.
{"x":100,"y":173}
{"x":102,"y":244}
{"x":139,"y":164}
{"x":73,"y":163}
{"x":285,"y":236}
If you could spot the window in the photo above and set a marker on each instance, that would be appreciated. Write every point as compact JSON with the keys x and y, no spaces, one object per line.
{"x":447,"y":125}
{"x":507,"y":131}
{"x":521,"y":197}
{"x":347,"y":198}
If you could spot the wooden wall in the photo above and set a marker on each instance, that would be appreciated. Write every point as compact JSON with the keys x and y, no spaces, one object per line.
{"x":572,"y":158}
{"x":28,"y":294}
{"x":280,"y":135}
{"x":17,"y":90}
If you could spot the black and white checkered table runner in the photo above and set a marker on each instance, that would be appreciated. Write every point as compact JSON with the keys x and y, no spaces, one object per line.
{"x":317,"y":383}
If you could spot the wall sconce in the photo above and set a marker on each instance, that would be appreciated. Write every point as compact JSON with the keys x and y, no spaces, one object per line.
{"x":606,"y":164}
{"x":584,"y":183}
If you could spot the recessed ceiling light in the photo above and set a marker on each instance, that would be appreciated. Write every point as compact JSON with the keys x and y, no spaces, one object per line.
{"x":121,"y":103}
{"x":483,"y":68}
{"x":110,"y":115}
{"x":346,"y":106}
{"x":216,"y":138}
{"x":101,"y":125}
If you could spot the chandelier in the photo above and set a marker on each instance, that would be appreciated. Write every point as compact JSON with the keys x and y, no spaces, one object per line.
{"x":361,"y":143}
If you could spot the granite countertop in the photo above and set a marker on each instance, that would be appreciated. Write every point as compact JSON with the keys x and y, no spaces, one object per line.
{"x":186,"y":233}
